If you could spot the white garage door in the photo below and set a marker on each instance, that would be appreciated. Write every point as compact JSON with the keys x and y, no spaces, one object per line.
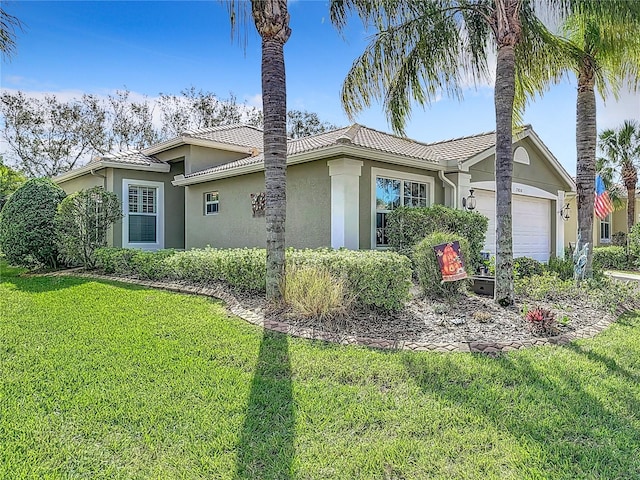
{"x":531,"y":224}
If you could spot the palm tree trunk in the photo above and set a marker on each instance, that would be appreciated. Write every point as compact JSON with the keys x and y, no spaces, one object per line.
{"x":630,"y":179}
{"x":272,"y":21}
{"x":586,"y":135}
{"x":503,"y":98}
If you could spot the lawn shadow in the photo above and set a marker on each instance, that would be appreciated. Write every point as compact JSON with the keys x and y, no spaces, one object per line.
{"x":46,"y":283}
{"x":266,"y":446}
{"x":555,"y":411}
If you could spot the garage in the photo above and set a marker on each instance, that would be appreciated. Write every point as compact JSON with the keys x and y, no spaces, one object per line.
{"x":531,"y":224}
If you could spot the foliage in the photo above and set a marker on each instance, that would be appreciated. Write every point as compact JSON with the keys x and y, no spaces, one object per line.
{"x":8,"y":26}
{"x":82,"y":221}
{"x":314,"y":292}
{"x":303,"y":124}
{"x":27,"y":224}
{"x":562,"y":267}
{"x":407,"y":226}
{"x":541,"y":321}
{"x":428,"y":269}
{"x":377,"y":279}
{"x":634,"y":245}
{"x":10,"y":181}
{"x":619,"y":239}
{"x":527,"y":267}
{"x":613,"y":295}
{"x":605,"y":258}
{"x":547,"y":286}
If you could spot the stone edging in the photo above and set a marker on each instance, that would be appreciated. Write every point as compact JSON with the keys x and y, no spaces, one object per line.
{"x":488,"y":347}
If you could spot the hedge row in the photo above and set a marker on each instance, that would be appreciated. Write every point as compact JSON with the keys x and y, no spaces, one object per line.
{"x":605,"y":258}
{"x":375,"y":279}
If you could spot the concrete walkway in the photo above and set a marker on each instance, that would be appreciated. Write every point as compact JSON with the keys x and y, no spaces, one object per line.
{"x":624,"y":276}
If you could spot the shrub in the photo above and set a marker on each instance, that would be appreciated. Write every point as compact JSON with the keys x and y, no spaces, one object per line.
{"x":428,"y":269}
{"x":374,"y":279}
{"x":619,"y":239}
{"x":82,"y":221}
{"x":634,"y":245}
{"x":610,"y":258}
{"x":562,"y":267}
{"x":408,"y":226}
{"x":546,"y":287}
{"x":27,"y":224}
{"x":313,"y":292}
{"x":115,"y":260}
{"x":527,"y":267}
{"x":541,"y":321}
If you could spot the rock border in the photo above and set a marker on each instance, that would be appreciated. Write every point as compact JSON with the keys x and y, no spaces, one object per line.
{"x":234,"y":306}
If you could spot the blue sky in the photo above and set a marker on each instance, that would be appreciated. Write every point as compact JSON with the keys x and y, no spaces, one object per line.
{"x":149,"y":47}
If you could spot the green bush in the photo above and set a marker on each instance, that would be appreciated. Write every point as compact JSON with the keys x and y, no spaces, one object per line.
{"x":547,"y":286}
{"x":634,"y":245}
{"x":27,"y":224}
{"x":428,"y":269}
{"x":408,"y":226}
{"x":605,"y":258}
{"x":562,"y":267}
{"x":375,"y":279}
{"x":619,"y":239}
{"x":527,"y":267}
{"x":314,"y":292}
{"x":82,"y":221}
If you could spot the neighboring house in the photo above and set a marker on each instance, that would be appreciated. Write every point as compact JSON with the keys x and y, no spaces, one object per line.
{"x":206,"y":188}
{"x":603,"y":229}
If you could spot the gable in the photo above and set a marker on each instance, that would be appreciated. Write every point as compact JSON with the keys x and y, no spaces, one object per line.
{"x":540,"y":172}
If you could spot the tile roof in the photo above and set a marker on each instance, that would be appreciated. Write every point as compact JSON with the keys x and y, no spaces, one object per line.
{"x":132,"y":157}
{"x":355,"y":135}
{"x":462,"y":148}
{"x":242,"y":135}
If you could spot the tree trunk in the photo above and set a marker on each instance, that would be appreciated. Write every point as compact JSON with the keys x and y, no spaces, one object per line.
{"x":272,"y":22}
{"x":504,"y":97}
{"x":586,"y":135}
{"x":630,"y":178}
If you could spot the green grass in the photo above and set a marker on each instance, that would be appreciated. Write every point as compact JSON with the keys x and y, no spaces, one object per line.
{"x":105,"y":380}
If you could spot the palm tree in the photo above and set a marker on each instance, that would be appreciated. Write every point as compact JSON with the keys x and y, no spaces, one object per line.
{"x":271,"y":19}
{"x":422,"y":49}
{"x":603,"y":50}
{"x":622,"y":150}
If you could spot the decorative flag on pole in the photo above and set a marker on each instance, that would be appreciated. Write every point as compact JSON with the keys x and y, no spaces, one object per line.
{"x":602,"y":205}
{"x":450,"y":261}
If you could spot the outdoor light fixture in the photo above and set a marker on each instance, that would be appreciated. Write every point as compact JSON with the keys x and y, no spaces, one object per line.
{"x":469,"y":203}
{"x":565,"y":212}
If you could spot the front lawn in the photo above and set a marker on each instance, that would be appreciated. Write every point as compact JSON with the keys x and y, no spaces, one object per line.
{"x":106,"y":380}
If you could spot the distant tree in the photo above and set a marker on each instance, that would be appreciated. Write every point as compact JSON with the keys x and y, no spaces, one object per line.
{"x":194,"y":109}
{"x":129,"y":123}
{"x":8,"y":26}
{"x":10,"y":181}
{"x":303,"y":124}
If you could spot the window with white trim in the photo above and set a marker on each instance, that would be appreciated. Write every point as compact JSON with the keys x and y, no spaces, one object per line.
{"x":143,"y":209}
{"x":211,"y":203}
{"x":605,"y":229}
{"x":392,"y":193}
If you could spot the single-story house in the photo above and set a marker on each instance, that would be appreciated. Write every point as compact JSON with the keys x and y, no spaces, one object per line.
{"x":603,"y":229}
{"x":206,"y":187}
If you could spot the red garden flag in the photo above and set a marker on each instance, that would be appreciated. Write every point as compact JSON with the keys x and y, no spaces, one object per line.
{"x":602,"y":205}
{"x":450,"y":261}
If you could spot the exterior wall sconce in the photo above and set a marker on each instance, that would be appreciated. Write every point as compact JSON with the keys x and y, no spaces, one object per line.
{"x":469,"y":203}
{"x":565,"y":212}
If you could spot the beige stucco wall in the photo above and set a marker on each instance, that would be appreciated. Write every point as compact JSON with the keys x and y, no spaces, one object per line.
{"x":86,"y":181}
{"x":539,"y":173}
{"x":308,"y":210}
{"x":201,"y":158}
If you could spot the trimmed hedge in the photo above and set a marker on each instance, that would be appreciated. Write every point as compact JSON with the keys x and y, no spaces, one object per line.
{"x":428,"y":268}
{"x":407,"y":226}
{"x":610,"y":258}
{"x":375,"y":279}
{"x":527,"y":267}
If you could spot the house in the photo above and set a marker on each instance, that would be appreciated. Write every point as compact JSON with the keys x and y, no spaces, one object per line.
{"x":206,"y":187}
{"x":603,"y":229}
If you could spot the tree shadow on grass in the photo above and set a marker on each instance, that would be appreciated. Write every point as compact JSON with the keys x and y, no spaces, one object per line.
{"x":266,"y":447}
{"x":42,"y":283}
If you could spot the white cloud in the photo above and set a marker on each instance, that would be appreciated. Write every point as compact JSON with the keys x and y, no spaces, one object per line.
{"x":254,"y":100}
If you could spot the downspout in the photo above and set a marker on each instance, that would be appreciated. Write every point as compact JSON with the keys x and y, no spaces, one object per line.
{"x":104,"y":177}
{"x":452,"y":185}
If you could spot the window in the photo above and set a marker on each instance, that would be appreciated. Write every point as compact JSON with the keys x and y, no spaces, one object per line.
{"x":143,"y":222}
{"x":391,"y":193}
{"x":605,"y":229}
{"x":211,"y":203}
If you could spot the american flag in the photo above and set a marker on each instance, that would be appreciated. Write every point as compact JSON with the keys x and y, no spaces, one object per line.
{"x":602,"y":204}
